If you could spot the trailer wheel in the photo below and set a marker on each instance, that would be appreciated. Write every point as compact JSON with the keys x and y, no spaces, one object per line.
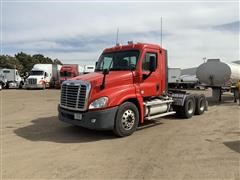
{"x":188,"y":109}
{"x":127,"y":119}
{"x":200,"y":104}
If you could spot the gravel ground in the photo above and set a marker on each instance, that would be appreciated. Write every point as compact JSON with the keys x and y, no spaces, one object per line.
{"x":36,"y":145}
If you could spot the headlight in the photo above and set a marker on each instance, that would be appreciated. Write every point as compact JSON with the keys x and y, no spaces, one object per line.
{"x":99,"y":103}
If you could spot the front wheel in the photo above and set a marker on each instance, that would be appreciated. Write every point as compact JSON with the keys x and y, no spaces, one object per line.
{"x":127,"y":119}
{"x":43,"y":86}
{"x":21,"y":85}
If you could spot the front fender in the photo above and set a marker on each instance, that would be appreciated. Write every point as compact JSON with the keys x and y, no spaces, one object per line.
{"x":120,"y":94}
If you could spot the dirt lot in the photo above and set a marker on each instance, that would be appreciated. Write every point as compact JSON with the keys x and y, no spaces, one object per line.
{"x":36,"y":145}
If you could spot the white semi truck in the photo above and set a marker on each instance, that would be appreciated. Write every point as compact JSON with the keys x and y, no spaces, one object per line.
{"x":43,"y":76}
{"x":10,"y":78}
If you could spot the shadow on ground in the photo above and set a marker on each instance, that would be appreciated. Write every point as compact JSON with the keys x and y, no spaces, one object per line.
{"x":233,"y":145}
{"x":51,"y":129}
{"x":226,"y":101}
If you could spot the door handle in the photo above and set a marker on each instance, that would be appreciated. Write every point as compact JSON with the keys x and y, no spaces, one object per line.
{"x":157,"y":87}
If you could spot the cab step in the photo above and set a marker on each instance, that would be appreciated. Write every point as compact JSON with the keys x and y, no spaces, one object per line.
{"x":160,"y":115}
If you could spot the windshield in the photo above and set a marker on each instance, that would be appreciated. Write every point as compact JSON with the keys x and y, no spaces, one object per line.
{"x":118,"y":61}
{"x":65,"y":74}
{"x":36,"y":73}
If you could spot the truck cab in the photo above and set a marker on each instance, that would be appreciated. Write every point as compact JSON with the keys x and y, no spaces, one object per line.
{"x":43,"y":76}
{"x":10,"y":78}
{"x":69,"y":71}
{"x":128,"y":87}
{"x":38,"y":79}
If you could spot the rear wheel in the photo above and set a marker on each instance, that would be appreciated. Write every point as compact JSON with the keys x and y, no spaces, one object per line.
{"x":127,"y":119}
{"x":188,"y":109}
{"x":200,"y":104}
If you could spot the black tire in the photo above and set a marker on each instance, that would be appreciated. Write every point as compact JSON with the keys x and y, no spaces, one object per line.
{"x":21,"y":85}
{"x":200,"y":104}
{"x":126,"y":120}
{"x":188,"y":109}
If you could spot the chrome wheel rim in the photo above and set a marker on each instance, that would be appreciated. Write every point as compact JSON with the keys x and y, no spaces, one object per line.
{"x":202,"y":106}
{"x":128,"y":119}
{"x":190,"y":107}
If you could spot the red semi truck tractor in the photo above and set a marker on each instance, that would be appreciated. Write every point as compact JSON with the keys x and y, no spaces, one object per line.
{"x":69,"y":71}
{"x":128,"y":87}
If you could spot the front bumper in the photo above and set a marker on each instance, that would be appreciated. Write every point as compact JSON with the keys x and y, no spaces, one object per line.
{"x":33,"y":86}
{"x":99,"y":120}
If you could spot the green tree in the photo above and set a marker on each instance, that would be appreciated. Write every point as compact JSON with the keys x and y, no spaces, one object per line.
{"x":10,"y":62}
{"x":26,"y":61}
{"x":40,"y":59}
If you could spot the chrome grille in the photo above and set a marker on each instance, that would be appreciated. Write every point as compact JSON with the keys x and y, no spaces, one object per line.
{"x":32,"y":81}
{"x":74,"y":95}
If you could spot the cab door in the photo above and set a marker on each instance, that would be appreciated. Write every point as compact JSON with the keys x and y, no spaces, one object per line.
{"x":151,"y":81}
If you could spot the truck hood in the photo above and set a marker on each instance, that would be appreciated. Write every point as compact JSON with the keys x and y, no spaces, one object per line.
{"x":112,"y":79}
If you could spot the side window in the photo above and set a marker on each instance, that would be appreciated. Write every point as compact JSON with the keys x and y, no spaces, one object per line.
{"x":132,"y":61}
{"x":145,"y":63}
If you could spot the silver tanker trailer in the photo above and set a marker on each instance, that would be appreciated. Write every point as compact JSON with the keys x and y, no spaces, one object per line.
{"x":220,"y":76}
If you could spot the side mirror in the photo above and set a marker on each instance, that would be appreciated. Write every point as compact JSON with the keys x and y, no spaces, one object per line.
{"x":152,"y":64}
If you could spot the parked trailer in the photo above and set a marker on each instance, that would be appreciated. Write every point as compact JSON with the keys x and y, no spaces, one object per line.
{"x":89,"y":69}
{"x":10,"y":78}
{"x":178,"y":81}
{"x":173,"y":77}
{"x":220,"y":76}
{"x":128,"y":87}
{"x":44,"y":76}
{"x":189,"y":81}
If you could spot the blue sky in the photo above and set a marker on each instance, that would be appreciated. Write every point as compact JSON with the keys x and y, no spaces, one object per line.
{"x":77,"y":32}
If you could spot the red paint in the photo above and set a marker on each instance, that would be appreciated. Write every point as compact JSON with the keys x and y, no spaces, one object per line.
{"x":123,"y":86}
{"x":70,"y":69}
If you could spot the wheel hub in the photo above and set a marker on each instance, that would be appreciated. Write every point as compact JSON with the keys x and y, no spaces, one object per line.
{"x":190,"y":107}
{"x":128,"y":119}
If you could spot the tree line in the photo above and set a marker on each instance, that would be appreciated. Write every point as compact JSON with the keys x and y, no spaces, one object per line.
{"x":24,"y":62}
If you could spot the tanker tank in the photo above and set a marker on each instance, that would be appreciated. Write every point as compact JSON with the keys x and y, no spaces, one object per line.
{"x":215,"y":73}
